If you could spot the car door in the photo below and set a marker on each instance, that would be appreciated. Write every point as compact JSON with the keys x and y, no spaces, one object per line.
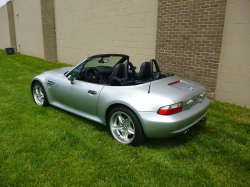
{"x":81,"y":95}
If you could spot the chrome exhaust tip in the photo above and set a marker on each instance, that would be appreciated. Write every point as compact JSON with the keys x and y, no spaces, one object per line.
{"x":203,"y":120}
{"x":186,"y":131}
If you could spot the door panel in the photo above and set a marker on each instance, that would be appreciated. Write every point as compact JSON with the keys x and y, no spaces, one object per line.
{"x":81,"y":95}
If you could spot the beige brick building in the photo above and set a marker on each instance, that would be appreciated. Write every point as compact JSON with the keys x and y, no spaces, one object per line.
{"x":4,"y":28}
{"x":203,"y":40}
{"x":28,"y":25}
{"x":86,"y":28}
{"x":233,"y":82}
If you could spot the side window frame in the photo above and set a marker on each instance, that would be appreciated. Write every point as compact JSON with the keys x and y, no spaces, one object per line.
{"x":80,"y":65}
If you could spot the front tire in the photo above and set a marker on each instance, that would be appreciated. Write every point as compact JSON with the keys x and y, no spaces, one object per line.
{"x":125,"y":127}
{"x":39,"y":94}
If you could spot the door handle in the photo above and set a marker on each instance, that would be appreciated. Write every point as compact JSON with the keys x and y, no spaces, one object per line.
{"x":91,"y":92}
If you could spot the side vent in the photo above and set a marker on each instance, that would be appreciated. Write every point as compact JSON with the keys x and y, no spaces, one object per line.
{"x":52,"y":83}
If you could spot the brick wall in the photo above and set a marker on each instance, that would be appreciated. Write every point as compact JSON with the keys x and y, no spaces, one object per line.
{"x":4,"y":28}
{"x":234,"y":71}
{"x":28,"y":25}
{"x":87,"y":28}
{"x":189,"y":37}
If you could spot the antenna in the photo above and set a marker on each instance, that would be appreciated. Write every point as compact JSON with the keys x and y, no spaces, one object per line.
{"x":149,"y":86}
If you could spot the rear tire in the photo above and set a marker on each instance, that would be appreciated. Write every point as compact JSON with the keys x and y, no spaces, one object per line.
{"x":39,"y":94}
{"x":125,"y":127}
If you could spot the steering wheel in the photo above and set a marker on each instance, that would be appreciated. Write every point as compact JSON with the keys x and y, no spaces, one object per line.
{"x":157,"y":74}
{"x":93,"y":75}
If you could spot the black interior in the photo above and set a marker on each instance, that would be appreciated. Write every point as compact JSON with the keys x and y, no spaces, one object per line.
{"x":93,"y":75}
{"x":157,"y":73}
{"x":123,"y":73}
{"x":117,"y":75}
{"x":145,"y":71}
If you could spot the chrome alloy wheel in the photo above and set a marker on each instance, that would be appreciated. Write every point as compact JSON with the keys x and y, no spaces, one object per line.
{"x":38,"y":94}
{"x":122,"y":127}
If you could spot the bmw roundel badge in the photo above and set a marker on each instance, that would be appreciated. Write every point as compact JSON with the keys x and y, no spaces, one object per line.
{"x":190,"y":88}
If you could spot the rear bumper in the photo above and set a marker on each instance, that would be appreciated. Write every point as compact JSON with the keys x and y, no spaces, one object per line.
{"x":159,"y":126}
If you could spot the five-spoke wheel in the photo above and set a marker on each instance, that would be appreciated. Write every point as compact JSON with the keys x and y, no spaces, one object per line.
{"x":125,"y":127}
{"x":39,"y":94}
{"x":122,"y":127}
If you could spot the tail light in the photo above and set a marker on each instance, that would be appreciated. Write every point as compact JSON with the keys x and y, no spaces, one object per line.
{"x":170,"y":109}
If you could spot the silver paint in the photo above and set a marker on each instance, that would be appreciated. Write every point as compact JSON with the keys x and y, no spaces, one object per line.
{"x":75,"y":98}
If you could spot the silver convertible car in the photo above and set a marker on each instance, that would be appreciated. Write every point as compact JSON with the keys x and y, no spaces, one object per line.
{"x":107,"y":89}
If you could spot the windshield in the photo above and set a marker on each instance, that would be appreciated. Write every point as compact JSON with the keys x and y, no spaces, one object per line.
{"x":103,"y":62}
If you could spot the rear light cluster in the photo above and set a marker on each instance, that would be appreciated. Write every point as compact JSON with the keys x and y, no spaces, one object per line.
{"x":177,"y":107}
{"x":170,"y":109}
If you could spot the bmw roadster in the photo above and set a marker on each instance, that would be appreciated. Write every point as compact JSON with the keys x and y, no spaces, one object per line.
{"x":107,"y":89}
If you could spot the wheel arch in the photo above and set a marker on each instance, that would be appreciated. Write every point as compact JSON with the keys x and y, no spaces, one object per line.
{"x":42,"y":81}
{"x":123,"y":105}
{"x":32,"y":83}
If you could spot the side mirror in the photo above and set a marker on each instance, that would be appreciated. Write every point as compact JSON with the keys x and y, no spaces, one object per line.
{"x":71,"y":78}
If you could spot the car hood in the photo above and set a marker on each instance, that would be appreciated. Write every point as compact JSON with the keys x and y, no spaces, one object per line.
{"x":60,"y":71}
{"x":181,"y":91}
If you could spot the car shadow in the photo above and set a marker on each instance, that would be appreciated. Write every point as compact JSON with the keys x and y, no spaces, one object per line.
{"x":151,"y":143}
{"x":93,"y":124}
{"x":177,"y":140}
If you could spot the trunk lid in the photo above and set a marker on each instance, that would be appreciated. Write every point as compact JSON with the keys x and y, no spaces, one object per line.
{"x":181,"y":91}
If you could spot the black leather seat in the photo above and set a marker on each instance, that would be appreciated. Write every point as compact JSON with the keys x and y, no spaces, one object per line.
{"x":117,"y":75}
{"x":145,"y":71}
